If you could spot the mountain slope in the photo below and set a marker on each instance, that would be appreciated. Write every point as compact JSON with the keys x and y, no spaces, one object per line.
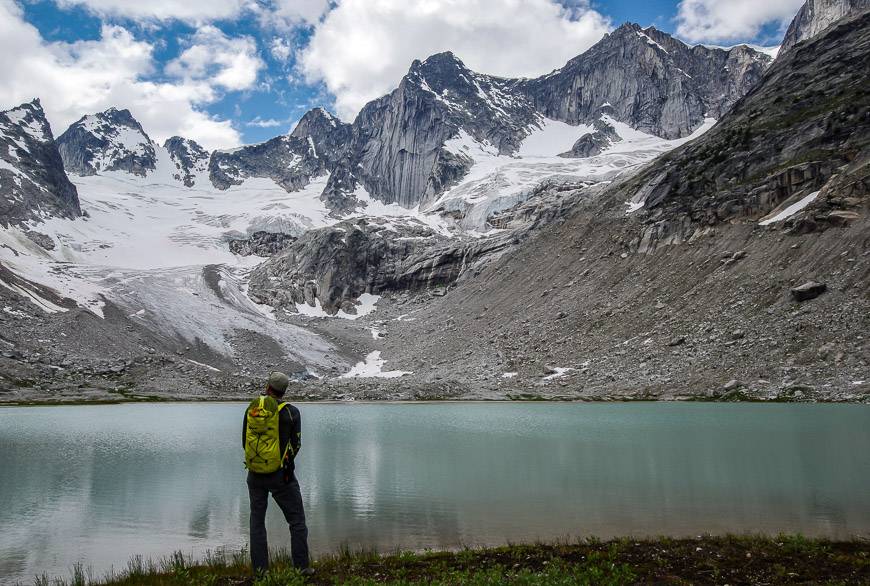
{"x":33,"y":184}
{"x":398,"y":151}
{"x":806,"y":124}
{"x":815,"y":16}
{"x":585,"y":310}
{"x":650,"y":80}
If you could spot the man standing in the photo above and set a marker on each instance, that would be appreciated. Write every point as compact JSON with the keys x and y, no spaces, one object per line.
{"x":271,"y":437}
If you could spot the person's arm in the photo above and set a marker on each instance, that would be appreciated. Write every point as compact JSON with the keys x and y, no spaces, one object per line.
{"x":296,"y":432}
{"x":244,"y":428}
{"x":285,"y":430}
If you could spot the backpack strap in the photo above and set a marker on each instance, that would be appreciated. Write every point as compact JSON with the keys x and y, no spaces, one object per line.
{"x":288,"y":448}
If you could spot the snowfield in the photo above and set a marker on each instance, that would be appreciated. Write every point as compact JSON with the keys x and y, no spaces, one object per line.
{"x":496,"y":183}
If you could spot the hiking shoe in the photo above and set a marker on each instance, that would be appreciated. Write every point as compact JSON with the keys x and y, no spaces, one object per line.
{"x":309,"y":571}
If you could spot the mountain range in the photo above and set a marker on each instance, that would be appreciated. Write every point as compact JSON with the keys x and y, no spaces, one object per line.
{"x":476,"y":232}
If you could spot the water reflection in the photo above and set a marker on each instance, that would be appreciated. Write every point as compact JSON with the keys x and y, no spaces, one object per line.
{"x":99,"y":484}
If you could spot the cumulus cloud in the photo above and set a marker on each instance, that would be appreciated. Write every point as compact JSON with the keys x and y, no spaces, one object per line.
{"x":361,"y":48}
{"x":73,"y":79}
{"x":187,"y":10}
{"x":715,"y":20}
{"x":290,"y":12}
{"x":231,"y":63}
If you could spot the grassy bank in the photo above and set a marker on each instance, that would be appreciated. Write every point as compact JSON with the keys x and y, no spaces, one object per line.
{"x":706,"y":560}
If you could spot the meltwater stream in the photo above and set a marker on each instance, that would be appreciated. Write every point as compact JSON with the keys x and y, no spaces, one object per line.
{"x":99,"y":484}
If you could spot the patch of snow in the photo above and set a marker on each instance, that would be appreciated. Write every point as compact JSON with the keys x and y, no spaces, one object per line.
{"x":790,"y":210}
{"x":372,"y":367}
{"x":16,"y":313}
{"x":552,"y":138}
{"x":559,"y":373}
{"x":206,"y":366}
{"x":633,"y":206}
{"x":366,"y":304}
{"x":508,"y":374}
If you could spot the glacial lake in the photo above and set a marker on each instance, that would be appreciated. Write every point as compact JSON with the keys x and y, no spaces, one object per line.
{"x":98,"y":484}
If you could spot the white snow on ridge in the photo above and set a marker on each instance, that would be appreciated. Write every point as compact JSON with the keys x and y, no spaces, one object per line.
{"x":790,"y":210}
{"x":16,"y":117}
{"x":650,"y":42}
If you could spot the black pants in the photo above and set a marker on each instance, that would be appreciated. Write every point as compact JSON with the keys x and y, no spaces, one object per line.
{"x":289,"y":499}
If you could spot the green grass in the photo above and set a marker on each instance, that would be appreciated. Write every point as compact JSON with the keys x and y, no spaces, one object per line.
{"x":704,"y":560}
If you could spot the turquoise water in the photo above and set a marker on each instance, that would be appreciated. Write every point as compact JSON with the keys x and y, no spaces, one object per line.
{"x":97,"y":484}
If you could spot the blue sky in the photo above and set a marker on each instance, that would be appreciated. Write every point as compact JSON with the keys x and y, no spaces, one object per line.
{"x":239,"y":71}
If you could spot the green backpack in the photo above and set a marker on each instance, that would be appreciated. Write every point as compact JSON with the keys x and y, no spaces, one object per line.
{"x":262,"y":442}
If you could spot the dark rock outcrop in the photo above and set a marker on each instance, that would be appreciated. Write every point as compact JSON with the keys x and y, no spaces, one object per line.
{"x":189,"y":158}
{"x":261,"y":243}
{"x":594,"y":143}
{"x":333,"y":266}
{"x":108,"y":141}
{"x":288,"y":161}
{"x":804,"y":128}
{"x":33,"y":184}
{"x":816,"y":16}
{"x":291,"y":161}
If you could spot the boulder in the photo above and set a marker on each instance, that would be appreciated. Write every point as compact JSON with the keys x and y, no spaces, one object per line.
{"x":807,"y":291}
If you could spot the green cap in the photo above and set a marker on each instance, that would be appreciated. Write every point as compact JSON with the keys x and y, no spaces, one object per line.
{"x":278,"y":382}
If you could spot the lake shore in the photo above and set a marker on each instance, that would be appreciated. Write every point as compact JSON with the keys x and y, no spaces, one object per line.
{"x":701,"y":560}
{"x":36,"y":400}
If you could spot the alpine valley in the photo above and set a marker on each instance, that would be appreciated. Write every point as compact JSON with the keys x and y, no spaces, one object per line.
{"x":651,"y":221}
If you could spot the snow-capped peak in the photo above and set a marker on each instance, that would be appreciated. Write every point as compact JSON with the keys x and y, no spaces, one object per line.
{"x":112,"y":140}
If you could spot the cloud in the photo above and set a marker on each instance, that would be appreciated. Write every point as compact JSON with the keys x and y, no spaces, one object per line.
{"x":267,"y":123}
{"x":231,"y":63}
{"x":73,"y":79}
{"x":187,"y":10}
{"x":292,"y":12}
{"x":362,"y":48}
{"x":715,"y":20}
{"x":281,"y":49}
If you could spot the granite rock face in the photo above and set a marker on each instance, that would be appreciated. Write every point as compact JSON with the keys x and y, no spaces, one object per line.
{"x":401,"y":152}
{"x":190,"y":159}
{"x":33,"y":183}
{"x":651,"y":81}
{"x":804,"y":130}
{"x":816,"y":16}
{"x":398,"y":152}
{"x":108,"y":141}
